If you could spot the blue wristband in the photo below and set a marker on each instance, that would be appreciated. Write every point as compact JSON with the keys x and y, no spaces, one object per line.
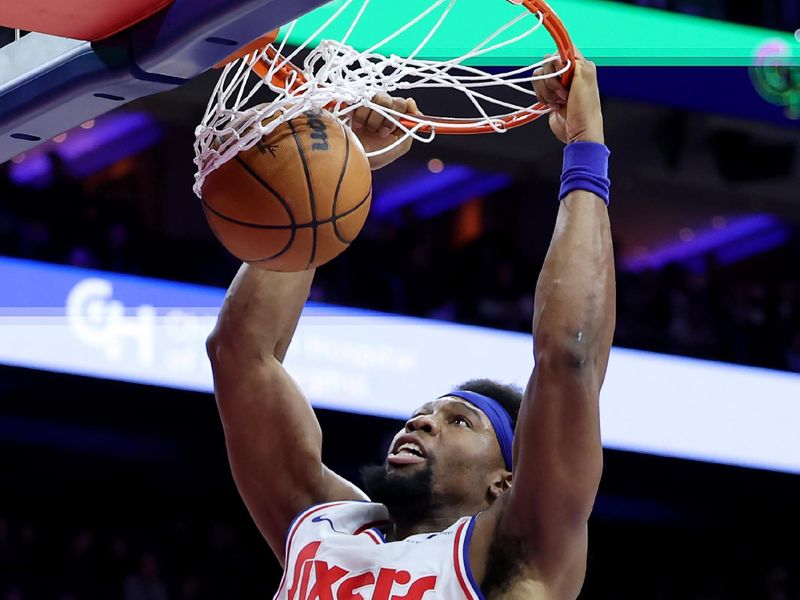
{"x":585,"y":168}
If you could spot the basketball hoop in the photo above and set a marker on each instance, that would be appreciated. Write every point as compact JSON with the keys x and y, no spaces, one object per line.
{"x":336,"y":77}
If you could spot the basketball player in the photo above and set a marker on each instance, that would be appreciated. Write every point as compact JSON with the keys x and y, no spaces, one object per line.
{"x":465,"y":505}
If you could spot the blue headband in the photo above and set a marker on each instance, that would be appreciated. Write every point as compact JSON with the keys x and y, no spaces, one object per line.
{"x":499,"y":417}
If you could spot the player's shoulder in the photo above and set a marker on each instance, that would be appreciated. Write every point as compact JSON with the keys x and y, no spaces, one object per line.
{"x":349,"y":517}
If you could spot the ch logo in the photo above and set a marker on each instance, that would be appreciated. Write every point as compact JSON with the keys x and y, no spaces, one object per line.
{"x":100,"y":321}
{"x":776,"y":76}
{"x":318,"y":133}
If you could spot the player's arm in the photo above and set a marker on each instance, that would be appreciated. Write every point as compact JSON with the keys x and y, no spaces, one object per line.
{"x":273,"y":438}
{"x":557,"y":449}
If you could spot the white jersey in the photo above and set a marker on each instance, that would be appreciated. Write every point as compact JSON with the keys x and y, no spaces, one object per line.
{"x":336,"y":551}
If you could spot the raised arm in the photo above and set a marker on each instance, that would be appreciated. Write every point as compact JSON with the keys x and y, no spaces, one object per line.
{"x":557,"y":449}
{"x":273,"y":437}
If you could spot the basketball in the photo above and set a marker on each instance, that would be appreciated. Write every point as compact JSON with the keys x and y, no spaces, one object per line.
{"x":296,"y":199}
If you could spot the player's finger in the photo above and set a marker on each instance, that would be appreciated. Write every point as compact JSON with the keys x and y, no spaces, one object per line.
{"x":545,"y":93}
{"x":399,"y":105}
{"x":374,"y":121}
{"x":548,"y":87}
{"x":362,"y":113}
{"x":548,"y":64}
{"x":545,"y":66}
{"x":359,"y":117}
{"x":384,"y":100}
{"x":539,"y":87}
{"x":554,"y":82}
{"x":554,"y":85}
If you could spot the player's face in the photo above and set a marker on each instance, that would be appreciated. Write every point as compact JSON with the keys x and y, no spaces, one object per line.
{"x":456,"y":441}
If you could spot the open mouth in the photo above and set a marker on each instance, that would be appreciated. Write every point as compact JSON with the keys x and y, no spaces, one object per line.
{"x":407,"y":453}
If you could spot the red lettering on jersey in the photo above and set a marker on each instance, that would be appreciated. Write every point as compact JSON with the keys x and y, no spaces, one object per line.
{"x":325,"y":578}
{"x":307,"y":567}
{"x":386,"y":580}
{"x":306,"y":554}
{"x":347,"y":591}
{"x":418,"y":588}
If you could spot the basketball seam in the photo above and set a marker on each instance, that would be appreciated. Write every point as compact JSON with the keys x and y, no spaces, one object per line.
{"x":361,"y":202}
{"x":291,"y":227}
{"x":339,"y":183}
{"x":311,"y":199}
{"x":260,"y":180}
{"x":235,"y":222}
{"x":281,"y":199}
{"x":294,"y":226}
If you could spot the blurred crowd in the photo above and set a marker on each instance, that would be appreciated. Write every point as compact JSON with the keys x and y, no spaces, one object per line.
{"x":748,"y":313}
{"x":180,"y":558}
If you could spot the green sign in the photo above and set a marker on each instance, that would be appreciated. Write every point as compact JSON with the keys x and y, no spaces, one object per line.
{"x":606,"y":32}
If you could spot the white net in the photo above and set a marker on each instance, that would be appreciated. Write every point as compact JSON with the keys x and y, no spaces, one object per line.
{"x":340,"y":79}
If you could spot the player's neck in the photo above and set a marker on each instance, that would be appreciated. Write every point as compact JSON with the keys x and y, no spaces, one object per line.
{"x":434,"y":521}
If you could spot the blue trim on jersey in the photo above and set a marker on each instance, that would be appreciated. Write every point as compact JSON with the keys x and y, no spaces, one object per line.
{"x":309,"y":509}
{"x":380,"y":534}
{"x":465,"y":558}
{"x":320,"y":519}
{"x":317,"y":505}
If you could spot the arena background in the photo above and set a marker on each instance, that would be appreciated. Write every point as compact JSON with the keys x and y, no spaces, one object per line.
{"x":108,"y":484}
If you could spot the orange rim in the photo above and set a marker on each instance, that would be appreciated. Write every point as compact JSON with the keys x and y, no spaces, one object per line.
{"x":256,"y":44}
{"x":449,"y":125}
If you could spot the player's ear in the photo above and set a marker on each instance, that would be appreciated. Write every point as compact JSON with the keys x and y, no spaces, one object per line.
{"x":501,"y":484}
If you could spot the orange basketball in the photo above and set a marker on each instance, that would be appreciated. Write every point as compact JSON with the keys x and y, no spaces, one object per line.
{"x":296,"y":199}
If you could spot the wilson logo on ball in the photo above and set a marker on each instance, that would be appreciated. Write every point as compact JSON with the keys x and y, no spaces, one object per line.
{"x":318,"y":133}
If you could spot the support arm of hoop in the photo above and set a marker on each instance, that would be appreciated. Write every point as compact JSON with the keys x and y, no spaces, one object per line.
{"x":50,"y":84}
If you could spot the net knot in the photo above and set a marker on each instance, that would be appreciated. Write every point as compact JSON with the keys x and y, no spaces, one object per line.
{"x":339,"y":71}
